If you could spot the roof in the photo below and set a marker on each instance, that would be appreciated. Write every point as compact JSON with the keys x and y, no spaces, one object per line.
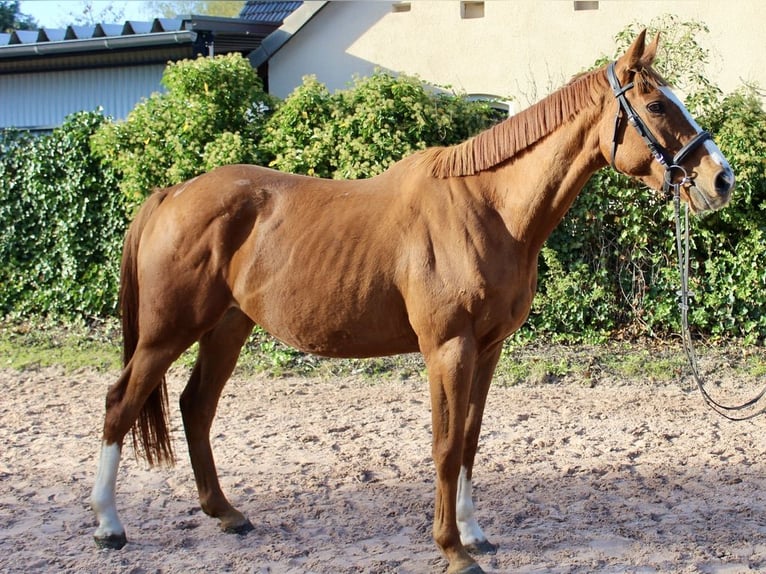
{"x":268,"y":11}
{"x":132,"y":42}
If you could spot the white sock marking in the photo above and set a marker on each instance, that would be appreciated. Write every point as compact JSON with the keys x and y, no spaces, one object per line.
{"x":470,"y":531}
{"x":103,"y":496}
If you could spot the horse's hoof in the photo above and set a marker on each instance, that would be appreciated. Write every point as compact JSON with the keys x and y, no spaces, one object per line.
{"x":240,"y":529}
{"x":112,"y":541}
{"x":485,"y":547}
{"x":472,"y":569}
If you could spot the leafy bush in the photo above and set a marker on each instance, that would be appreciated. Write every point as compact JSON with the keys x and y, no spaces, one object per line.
{"x":62,"y":215}
{"x":61,"y":224}
{"x":680,"y":58}
{"x":383,"y":118}
{"x":361,"y":131}
{"x":213,"y":113}
{"x":730,"y":248}
{"x":608,"y":270}
{"x":298,"y":137}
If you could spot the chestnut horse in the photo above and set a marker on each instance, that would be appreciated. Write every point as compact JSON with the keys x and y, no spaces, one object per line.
{"x":437,"y":255}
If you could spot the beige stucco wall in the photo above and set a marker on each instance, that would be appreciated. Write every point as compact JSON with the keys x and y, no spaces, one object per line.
{"x":520,"y":48}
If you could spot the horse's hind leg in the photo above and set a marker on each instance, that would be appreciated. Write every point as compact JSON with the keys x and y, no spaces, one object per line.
{"x":218,"y":353}
{"x":139,"y":379}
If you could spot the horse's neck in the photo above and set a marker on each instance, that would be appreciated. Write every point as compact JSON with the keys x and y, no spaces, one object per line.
{"x":535,"y":189}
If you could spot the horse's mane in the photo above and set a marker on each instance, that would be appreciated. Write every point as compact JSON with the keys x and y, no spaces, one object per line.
{"x":502,"y":141}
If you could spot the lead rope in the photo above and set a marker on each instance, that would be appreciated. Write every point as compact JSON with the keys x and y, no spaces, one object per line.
{"x":682,"y":246}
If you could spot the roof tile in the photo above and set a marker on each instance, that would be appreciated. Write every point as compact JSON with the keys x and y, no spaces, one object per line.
{"x":268,"y":11}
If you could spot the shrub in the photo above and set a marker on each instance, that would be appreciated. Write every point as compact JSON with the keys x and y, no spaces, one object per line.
{"x":608,"y":269}
{"x":383,"y":118}
{"x":361,"y":131}
{"x":298,"y":137}
{"x":212,"y":114}
{"x":61,"y":224}
{"x":730,"y":247}
{"x":680,"y":59}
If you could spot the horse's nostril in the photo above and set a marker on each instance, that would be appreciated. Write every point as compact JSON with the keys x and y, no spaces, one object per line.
{"x":724,"y":182}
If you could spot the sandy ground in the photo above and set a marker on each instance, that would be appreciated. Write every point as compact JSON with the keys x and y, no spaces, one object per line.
{"x":336,"y":476}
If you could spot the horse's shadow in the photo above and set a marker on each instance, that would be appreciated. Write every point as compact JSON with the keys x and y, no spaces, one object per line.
{"x":634,"y":516}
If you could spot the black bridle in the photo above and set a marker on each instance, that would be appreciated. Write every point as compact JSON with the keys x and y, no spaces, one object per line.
{"x":673,"y":166}
{"x":659,"y":152}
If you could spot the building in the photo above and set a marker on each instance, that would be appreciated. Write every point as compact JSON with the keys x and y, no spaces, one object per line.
{"x":48,"y":74}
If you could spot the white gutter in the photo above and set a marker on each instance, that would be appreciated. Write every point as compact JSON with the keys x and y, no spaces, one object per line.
{"x":93,"y":44}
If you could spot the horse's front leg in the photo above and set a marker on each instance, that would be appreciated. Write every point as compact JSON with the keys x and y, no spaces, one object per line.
{"x":450,"y":373}
{"x":471,"y":534}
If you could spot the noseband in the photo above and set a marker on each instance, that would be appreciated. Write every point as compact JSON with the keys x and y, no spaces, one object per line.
{"x":675,"y":164}
{"x":658,"y":151}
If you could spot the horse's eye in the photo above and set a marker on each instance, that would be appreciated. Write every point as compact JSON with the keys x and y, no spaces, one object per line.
{"x":656,"y":107}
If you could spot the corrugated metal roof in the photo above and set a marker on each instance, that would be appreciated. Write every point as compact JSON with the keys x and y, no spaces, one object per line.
{"x":90,"y":58}
{"x":268,"y":11}
{"x":106,"y":30}
{"x":52,"y":34}
{"x":73,"y":32}
{"x":255,"y":12}
{"x":136,"y":27}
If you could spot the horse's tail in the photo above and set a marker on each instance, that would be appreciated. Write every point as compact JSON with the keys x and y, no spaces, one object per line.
{"x":150,"y":431}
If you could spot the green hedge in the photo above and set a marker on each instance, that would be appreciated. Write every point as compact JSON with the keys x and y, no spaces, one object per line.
{"x":212,"y":113}
{"x":66,"y":198}
{"x":62,"y":219}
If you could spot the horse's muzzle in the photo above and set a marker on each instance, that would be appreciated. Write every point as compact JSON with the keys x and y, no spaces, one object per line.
{"x":724,"y":184}
{"x":713,"y":196}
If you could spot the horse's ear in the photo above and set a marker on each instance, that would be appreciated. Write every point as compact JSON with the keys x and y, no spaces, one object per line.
{"x":631,"y":61}
{"x":650,"y":51}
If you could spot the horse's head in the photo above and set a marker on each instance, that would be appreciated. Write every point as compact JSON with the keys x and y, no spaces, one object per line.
{"x":663,"y":145}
